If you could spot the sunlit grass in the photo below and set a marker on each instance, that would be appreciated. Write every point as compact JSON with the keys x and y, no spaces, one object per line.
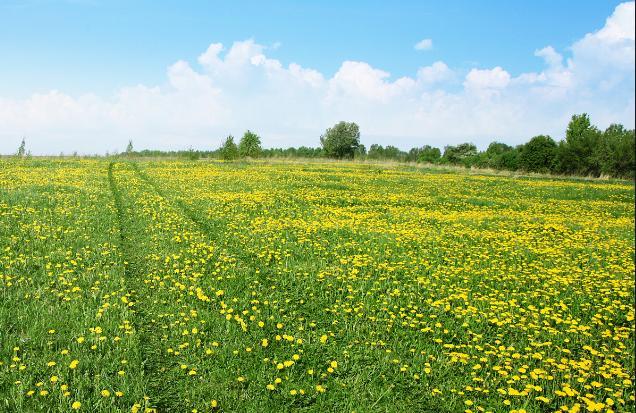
{"x":182,"y":286}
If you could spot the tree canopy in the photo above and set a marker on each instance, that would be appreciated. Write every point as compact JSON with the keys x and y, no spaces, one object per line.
{"x":229,"y":151}
{"x":341,"y":140}
{"x":250,"y":145}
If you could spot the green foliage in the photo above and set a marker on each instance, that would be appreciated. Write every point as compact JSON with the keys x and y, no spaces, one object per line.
{"x":341,"y":140}
{"x":538,"y":154}
{"x":375,"y":151}
{"x":425,"y":154}
{"x":460,"y":154}
{"x":501,"y":156}
{"x":250,"y":145}
{"x":389,"y":152}
{"x":497,"y":148}
{"x":229,"y":151}
{"x":576,"y":155}
{"x":508,"y":160}
{"x":361,"y":152}
{"x":300,"y":152}
{"x":192,"y":155}
{"x":585,"y":151}
{"x":616,"y":152}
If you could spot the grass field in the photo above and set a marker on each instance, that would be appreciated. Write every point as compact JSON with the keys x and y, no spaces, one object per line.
{"x":256,"y":287}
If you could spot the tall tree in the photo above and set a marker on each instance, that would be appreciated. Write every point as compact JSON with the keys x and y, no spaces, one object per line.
{"x":341,"y":140}
{"x":250,"y":145}
{"x":576,"y":155}
{"x":229,"y":151}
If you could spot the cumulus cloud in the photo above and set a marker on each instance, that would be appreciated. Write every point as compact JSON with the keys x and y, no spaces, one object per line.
{"x":438,"y":72}
{"x":424,"y":44}
{"x":360,"y":80}
{"x":486,"y":81}
{"x":229,"y":89}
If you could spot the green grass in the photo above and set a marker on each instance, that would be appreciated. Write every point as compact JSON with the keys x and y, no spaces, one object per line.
{"x":398,"y":289}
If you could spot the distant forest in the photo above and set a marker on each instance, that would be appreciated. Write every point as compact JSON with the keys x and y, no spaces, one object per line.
{"x":585,"y":151}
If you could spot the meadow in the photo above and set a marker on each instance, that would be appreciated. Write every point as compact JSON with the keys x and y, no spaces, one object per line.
{"x":181,"y":286}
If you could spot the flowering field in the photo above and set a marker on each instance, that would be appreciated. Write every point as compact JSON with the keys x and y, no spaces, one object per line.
{"x":198,"y":287}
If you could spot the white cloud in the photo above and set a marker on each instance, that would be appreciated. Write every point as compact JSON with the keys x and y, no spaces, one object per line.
{"x":360,"y":80}
{"x":435,"y":73}
{"x":229,"y":90}
{"x":487,"y":79}
{"x":424,"y":44}
{"x":611,"y":46}
{"x":551,"y":57}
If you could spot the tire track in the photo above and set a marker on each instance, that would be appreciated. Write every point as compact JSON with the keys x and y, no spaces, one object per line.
{"x":134,"y":270}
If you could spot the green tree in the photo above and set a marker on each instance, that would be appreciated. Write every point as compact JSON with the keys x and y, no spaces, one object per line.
{"x":576,"y":155}
{"x":538,"y":154}
{"x":508,"y":160}
{"x":464,"y":153}
{"x":341,"y":140}
{"x":498,"y":155}
{"x":360,"y":152}
{"x":429,"y":154}
{"x":229,"y":151}
{"x":426,"y":154}
{"x":375,"y":151}
{"x":250,"y":145}
{"x":616,"y":152}
{"x":497,"y":148}
{"x":392,"y":152}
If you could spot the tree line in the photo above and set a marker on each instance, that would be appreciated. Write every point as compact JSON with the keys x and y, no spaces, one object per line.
{"x":585,"y":151}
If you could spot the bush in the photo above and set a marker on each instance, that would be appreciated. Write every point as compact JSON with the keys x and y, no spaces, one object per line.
{"x":538,"y":154}
{"x":502,"y":156}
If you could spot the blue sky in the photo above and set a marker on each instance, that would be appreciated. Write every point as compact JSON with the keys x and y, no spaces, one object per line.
{"x":89,"y":45}
{"x":99,"y":48}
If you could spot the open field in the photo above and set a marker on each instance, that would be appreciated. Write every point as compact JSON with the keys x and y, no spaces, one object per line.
{"x":254,"y":287}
